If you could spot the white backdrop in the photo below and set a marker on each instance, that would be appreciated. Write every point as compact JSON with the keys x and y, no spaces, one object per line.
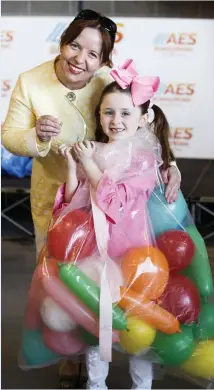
{"x":179,"y":51}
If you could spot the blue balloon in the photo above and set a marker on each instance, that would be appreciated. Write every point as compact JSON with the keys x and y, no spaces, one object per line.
{"x":34,"y":350}
{"x":165,"y":216}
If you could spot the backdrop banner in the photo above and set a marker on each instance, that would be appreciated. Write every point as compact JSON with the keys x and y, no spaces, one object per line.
{"x":180,"y":51}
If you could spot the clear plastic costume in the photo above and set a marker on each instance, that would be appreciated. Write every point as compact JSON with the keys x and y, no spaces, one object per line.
{"x":122,"y":269}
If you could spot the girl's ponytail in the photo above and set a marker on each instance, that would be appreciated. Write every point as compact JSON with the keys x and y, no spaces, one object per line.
{"x":161,"y":130}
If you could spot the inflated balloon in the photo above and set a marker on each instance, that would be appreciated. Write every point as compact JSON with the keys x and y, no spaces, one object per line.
{"x":93,"y":267}
{"x":72,"y":237}
{"x":89,"y":338}
{"x":178,"y":248}
{"x":73,"y":306}
{"x":181,"y":298}
{"x":43,"y":255}
{"x":36,"y":295}
{"x":33,"y":319}
{"x":48,"y":268}
{"x":174,"y":349}
{"x":54,"y":317}
{"x":148,"y":311}
{"x":34,"y":351}
{"x":165,"y":216}
{"x":88,"y":292}
{"x":67,"y":343}
{"x":139,"y":336}
{"x":203,"y":329}
{"x":201,"y":363}
{"x":146,"y":271}
{"x":32,"y":314}
{"x":199,"y":270}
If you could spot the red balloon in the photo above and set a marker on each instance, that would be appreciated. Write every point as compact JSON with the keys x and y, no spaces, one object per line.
{"x":73,"y":237}
{"x":181,"y":298}
{"x":178,"y":248}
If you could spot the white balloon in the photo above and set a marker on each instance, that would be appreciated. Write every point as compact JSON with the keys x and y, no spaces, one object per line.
{"x":54,"y":317}
{"x":93,"y":267}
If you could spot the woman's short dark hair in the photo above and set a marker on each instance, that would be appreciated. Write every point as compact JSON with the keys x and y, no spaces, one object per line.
{"x":75,"y":29}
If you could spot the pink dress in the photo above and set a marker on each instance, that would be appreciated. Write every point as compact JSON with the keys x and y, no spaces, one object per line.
{"x":123,"y":200}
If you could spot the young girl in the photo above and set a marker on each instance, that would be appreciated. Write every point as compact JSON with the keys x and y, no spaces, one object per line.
{"x":121,"y":168}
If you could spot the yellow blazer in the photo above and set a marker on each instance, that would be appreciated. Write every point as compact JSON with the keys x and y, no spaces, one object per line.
{"x":38,"y":92}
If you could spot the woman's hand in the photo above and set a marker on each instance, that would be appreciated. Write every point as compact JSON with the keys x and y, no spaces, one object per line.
{"x":66,"y":152}
{"x":84,"y":150}
{"x":171,"y":177}
{"x":47,"y":126}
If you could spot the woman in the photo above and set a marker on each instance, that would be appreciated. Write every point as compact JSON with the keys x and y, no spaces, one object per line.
{"x":44,"y":113}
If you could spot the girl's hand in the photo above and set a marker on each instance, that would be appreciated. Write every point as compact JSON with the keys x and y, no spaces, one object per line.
{"x":172,"y":178}
{"x":65,"y":151}
{"x":84,"y":150}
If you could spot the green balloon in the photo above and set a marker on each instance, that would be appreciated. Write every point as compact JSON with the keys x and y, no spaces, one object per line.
{"x":88,"y":292}
{"x":89,"y":338}
{"x":199,"y":270}
{"x":174,"y":349}
{"x":204,"y":328}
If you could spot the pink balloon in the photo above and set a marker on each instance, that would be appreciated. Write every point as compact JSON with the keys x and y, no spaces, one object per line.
{"x":73,"y":306}
{"x":36,"y":295}
{"x":33,"y":319}
{"x":64,"y":343}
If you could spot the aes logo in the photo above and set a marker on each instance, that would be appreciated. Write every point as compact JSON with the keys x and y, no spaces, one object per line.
{"x":5,"y":87}
{"x":181,"y":133}
{"x":6,"y":38}
{"x":175,"y":42}
{"x":181,"y":136}
{"x":180,"y":89}
{"x":181,"y":39}
{"x":172,"y":92}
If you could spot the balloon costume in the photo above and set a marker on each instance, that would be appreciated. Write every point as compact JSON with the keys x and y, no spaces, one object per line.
{"x":122,"y":268}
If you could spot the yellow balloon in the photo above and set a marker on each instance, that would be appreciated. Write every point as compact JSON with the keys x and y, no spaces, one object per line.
{"x":140,"y":336}
{"x":201,"y":363}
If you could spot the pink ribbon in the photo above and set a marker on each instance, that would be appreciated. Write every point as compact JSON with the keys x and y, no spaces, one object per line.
{"x":142,"y":88}
{"x":105,"y":324}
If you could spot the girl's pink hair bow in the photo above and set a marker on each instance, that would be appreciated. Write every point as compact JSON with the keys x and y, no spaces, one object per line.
{"x":142,"y":88}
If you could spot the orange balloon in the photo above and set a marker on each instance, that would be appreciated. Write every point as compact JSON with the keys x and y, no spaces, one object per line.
{"x":43,"y":255}
{"x":47,"y":265}
{"x":146,"y":271}
{"x":148,"y":311}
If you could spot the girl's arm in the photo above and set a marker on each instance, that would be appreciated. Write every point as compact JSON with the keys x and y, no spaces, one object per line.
{"x":72,"y":181}
{"x":70,"y":186}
